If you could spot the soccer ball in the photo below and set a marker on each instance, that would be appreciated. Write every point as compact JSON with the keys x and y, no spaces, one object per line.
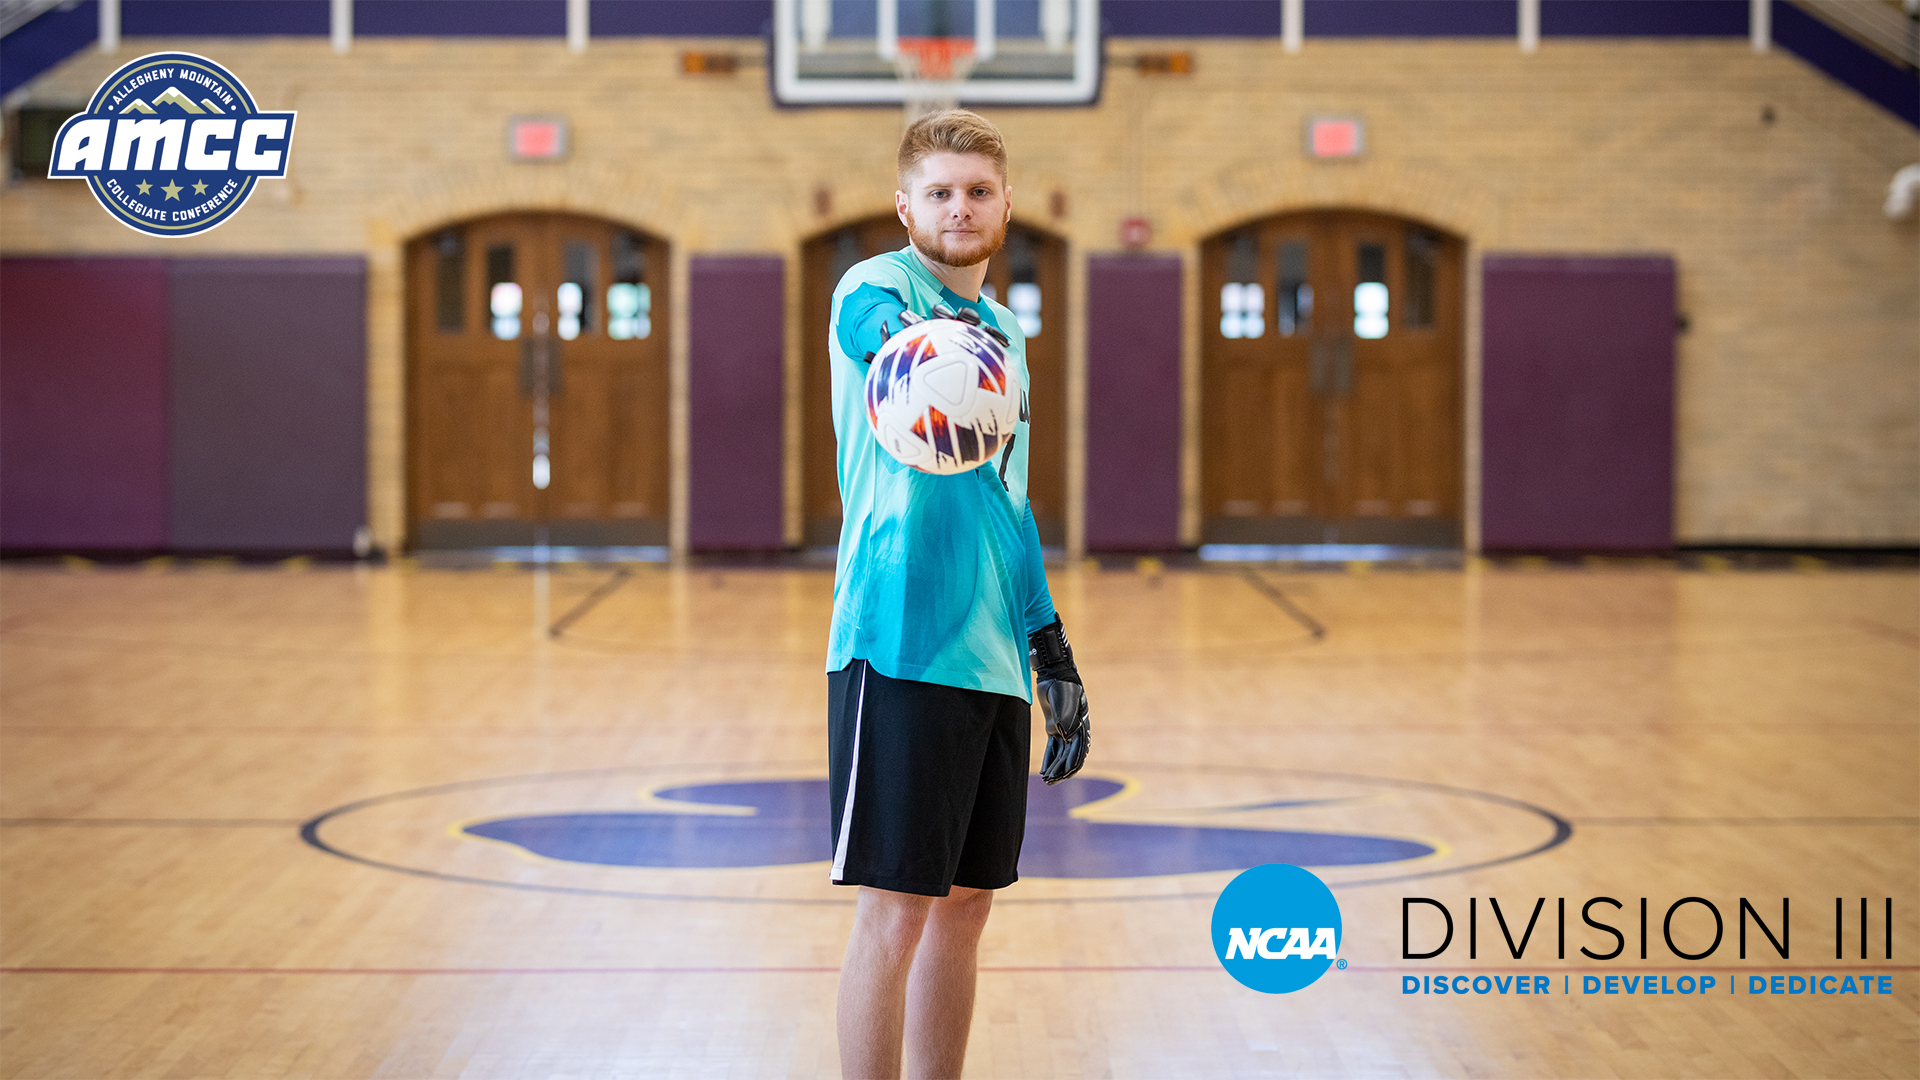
{"x":941,"y":396}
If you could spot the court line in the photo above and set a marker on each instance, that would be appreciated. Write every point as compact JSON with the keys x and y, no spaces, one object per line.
{"x":1007,"y":969}
{"x":156,"y":823}
{"x":1855,"y":969}
{"x":48,"y":970}
{"x":1283,"y":602}
{"x":1888,"y":633}
{"x":436,"y":731}
{"x":1904,"y":821}
{"x":310,"y":834}
{"x":1234,"y":653}
{"x":588,"y":602}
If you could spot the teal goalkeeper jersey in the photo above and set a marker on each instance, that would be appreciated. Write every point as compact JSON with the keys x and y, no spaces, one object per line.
{"x":939,"y":578}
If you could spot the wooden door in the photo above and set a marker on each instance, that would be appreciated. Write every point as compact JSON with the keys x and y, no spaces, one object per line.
{"x":1029,"y":275}
{"x":1331,"y":372}
{"x":509,"y":314}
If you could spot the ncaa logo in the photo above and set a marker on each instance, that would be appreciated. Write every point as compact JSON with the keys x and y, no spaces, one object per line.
{"x":1276,"y":928}
{"x":172,"y":144}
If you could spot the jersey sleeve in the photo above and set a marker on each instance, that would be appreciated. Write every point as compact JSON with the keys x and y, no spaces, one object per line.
{"x":868,"y":316}
{"x":1039,"y":600}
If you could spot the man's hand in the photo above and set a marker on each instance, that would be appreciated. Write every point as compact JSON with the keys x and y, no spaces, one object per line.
{"x":1063,"y":700}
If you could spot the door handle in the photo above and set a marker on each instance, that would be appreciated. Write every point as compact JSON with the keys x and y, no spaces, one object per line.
{"x":1331,"y":371}
{"x":540,"y":367}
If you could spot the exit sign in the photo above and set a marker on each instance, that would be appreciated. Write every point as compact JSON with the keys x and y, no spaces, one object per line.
{"x":537,"y":138}
{"x":1336,"y":137}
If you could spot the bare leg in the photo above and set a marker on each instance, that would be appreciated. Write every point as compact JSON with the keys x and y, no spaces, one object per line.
{"x":940,"y":989}
{"x":873,"y":981}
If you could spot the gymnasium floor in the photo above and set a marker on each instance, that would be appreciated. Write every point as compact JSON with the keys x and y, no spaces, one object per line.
{"x":380,"y":822}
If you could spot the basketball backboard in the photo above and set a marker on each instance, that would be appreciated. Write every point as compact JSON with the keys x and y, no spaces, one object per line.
{"x":876,"y":52}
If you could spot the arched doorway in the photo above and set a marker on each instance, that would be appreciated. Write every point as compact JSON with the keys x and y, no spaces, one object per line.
{"x":1028,"y":275}
{"x":537,"y":383}
{"x":1331,"y":382}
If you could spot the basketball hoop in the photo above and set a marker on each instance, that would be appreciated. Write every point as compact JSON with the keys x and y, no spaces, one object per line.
{"x":927,"y":56}
{"x":929,"y":67}
{"x":935,"y":59}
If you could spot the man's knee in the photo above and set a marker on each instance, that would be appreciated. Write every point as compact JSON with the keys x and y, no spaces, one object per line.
{"x":964,"y":909}
{"x":893,"y":918}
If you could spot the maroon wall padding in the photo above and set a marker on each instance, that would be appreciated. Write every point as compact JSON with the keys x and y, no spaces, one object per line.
{"x":736,"y":341}
{"x":1577,"y":421}
{"x":1133,"y":402}
{"x":83,"y":404}
{"x":269,"y":403}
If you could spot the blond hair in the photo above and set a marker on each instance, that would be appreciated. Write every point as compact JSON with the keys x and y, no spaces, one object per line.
{"x":951,"y":131}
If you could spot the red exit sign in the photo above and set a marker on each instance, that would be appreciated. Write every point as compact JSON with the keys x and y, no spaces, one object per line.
{"x":1336,"y":137}
{"x":537,"y":138}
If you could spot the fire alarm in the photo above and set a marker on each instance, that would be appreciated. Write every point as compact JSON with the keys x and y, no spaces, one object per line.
{"x":1135,"y":233}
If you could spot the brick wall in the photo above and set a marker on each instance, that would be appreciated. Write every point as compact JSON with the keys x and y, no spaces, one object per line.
{"x":1799,"y":395}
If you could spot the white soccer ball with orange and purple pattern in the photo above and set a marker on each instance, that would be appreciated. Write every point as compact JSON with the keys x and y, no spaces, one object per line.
{"x":942,"y":397}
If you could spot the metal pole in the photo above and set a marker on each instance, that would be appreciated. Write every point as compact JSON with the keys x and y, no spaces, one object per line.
{"x":577,"y":26}
{"x":109,"y":25}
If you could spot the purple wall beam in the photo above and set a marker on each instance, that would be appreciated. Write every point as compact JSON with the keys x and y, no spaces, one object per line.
{"x":1577,"y":403}
{"x":269,"y":403}
{"x":83,"y":404}
{"x":736,"y":341}
{"x":1133,"y":402}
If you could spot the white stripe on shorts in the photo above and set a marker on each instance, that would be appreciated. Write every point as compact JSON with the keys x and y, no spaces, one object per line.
{"x":853,"y":778}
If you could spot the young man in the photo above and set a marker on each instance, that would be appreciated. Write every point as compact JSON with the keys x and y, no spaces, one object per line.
{"x":939,"y":598}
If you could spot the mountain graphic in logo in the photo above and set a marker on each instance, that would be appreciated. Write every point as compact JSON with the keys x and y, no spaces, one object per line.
{"x":172,"y":96}
{"x":782,"y":822}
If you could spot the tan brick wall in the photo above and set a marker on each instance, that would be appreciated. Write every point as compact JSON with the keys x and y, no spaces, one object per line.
{"x":1799,"y":380}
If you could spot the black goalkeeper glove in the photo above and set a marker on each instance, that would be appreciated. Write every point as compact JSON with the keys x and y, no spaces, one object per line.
{"x":1063,"y":700}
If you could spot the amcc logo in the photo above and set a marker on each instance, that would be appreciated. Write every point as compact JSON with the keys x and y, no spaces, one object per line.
{"x":1276,"y":928}
{"x":172,"y":144}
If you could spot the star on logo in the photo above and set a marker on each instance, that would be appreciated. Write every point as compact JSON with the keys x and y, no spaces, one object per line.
{"x":200,"y":187}
{"x":173,"y":190}
{"x":143,"y":187}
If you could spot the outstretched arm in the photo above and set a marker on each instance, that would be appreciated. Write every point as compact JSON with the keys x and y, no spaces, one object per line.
{"x":869,"y":315}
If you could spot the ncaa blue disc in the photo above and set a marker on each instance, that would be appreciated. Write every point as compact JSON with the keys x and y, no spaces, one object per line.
{"x":1276,"y":928}
{"x":172,"y":144}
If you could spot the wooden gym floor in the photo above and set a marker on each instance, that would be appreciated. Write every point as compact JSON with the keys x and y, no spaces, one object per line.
{"x":167,"y":732}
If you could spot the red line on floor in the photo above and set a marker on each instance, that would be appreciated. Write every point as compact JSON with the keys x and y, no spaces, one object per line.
{"x":1856,"y":969}
{"x":538,"y":971}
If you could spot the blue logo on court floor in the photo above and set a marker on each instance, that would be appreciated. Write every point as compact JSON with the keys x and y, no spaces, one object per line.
{"x":777,"y":822}
{"x":1276,"y":928}
{"x":172,"y":144}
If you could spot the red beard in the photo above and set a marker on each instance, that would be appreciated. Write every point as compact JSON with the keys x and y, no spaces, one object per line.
{"x":957,"y":251}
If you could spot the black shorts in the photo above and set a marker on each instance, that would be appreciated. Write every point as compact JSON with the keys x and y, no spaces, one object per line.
{"x":929,"y":783}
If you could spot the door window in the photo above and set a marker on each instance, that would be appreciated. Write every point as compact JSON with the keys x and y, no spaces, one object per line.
{"x":1370,"y":295}
{"x":503,"y":292}
{"x":1421,"y":254}
{"x":1243,"y":303}
{"x":629,"y":300}
{"x":450,"y":282}
{"x":574,"y":298}
{"x":1295,"y":295}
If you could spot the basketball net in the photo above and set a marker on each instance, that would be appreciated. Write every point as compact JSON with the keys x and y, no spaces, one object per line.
{"x":925,"y":63}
